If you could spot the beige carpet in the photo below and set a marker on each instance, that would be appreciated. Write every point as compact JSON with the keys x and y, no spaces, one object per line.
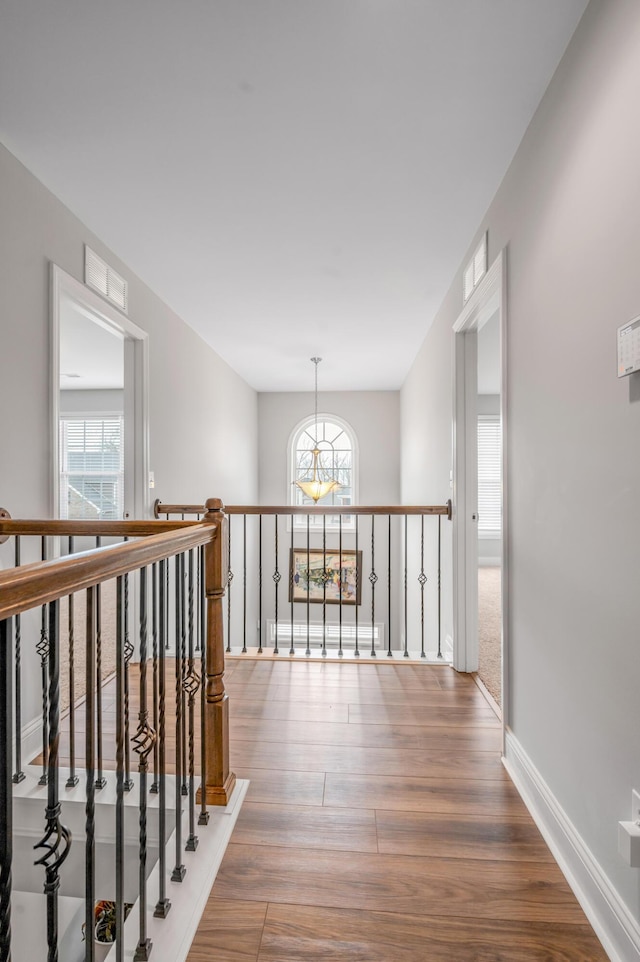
{"x":489,"y":629}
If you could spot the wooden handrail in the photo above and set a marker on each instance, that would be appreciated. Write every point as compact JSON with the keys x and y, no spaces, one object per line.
{"x":32,"y":585}
{"x":289,"y":509}
{"x":107,"y":529}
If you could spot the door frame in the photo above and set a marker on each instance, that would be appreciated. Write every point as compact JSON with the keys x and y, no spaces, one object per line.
{"x":489,"y":296}
{"x":137,"y":353}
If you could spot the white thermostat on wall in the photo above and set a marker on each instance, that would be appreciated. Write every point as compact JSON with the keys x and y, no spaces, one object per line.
{"x":629,"y":347}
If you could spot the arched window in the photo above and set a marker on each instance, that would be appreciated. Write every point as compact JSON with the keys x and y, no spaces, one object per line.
{"x":337,"y":459}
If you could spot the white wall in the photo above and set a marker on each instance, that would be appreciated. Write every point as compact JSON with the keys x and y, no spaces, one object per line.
{"x":88,"y":402}
{"x":203,"y":416}
{"x":568,"y":213}
{"x":373,"y":415}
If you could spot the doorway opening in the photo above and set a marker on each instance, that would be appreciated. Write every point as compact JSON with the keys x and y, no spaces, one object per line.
{"x":99,"y":406}
{"x":480,"y":493}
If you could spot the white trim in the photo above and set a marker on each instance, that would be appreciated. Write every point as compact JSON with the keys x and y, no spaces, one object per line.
{"x":62,"y":284}
{"x":612,"y":921}
{"x":490,"y":296}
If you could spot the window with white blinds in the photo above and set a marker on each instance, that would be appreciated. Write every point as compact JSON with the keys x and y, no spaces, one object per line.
{"x":92,"y":467}
{"x":489,"y":475}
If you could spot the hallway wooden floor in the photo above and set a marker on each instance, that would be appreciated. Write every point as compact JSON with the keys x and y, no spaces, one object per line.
{"x":380,"y":826}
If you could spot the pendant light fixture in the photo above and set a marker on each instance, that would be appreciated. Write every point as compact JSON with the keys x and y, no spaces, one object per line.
{"x":317,"y":486}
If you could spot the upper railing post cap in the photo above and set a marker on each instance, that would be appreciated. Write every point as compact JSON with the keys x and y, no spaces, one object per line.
{"x":213,"y":505}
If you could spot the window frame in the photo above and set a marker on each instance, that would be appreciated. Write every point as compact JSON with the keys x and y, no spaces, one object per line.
{"x":493,"y":532}
{"x":300,"y":523}
{"x":117,"y":475}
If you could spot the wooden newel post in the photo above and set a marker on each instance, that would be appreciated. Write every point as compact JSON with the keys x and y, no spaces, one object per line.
{"x":220,"y":782}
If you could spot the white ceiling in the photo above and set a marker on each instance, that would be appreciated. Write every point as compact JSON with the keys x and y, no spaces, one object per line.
{"x":91,"y":355}
{"x":294,"y":177}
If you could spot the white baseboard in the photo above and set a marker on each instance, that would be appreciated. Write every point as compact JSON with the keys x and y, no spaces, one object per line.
{"x":612,"y":921}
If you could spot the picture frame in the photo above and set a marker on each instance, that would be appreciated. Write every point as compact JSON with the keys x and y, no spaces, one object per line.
{"x":344,"y":576}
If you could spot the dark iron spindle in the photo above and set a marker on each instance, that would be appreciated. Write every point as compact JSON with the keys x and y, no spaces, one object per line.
{"x":203,"y":817}
{"x":325,"y":578}
{"x":57,"y":838}
{"x":439,"y":586}
{"x":42,"y":648}
{"x":128,"y":652}
{"x":183,"y":663}
{"x":389,"y":652}
{"x":163,"y":904}
{"x":373,"y":577}
{"x":229,"y":580}
{"x":143,"y":741}
{"x":357,"y":650}
{"x":244,"y":584}
{"x":191,"y":685}
{"x":6,"y":790}
{"x":340,"y":585}
{"x":72,"y":780}
{"x":179,"y":869}
{"x":276,"y":581}
{"x":100,"y":779}
{"x":308,"y":650}
{"x":406,"y":608}
{"x":18,"y":775}
{"x":120,"y":768}
{"x":154,"y":655}
{"x":259,"y":585}
{"x":89,"y":750}
{"x":422,"y":578}
{"x":292,"y":649}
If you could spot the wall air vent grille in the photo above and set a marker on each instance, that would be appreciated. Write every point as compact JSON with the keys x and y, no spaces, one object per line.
{"x":103,"y":279}
{"x":475,"y":269}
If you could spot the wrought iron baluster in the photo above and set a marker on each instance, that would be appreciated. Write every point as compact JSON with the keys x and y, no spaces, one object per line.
{"x":57,"y":838}
{"x":276,"y":581}
{"x":89,"y":751}
{"x":183,"y":661}
{"x":179,"y":869}
{"x":163,"y":904}
{"x":100,"y":779}
{"x":191,"y":684}
{"x":6,"y":791}
{"x":203,"y":817}
{"x":42,"y":648}
{"x":292,"y":649}
{"x":229,"y":580}
{"x":389,"y":652}
{"x":18,"y":775}
{"x":167,"y":594}
{"x":373,"y":577}
{"x":439,"y":586}
{"x":406,"y":585}
{"x":325,"y":578}
{"x":340,"y":652}
{"x":143,"y":742}
{"x":72,"y":780}
{"x":357,"y":650}
{"x":422,"y":580}
{"x":120,"y":767}
{"x":308,"y":650}
{"x":244,"y":584}
{"x":128,"y":652}
{"x":154,"y":654}
{"x":200,"y":597}
{"x":259,"y":585}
